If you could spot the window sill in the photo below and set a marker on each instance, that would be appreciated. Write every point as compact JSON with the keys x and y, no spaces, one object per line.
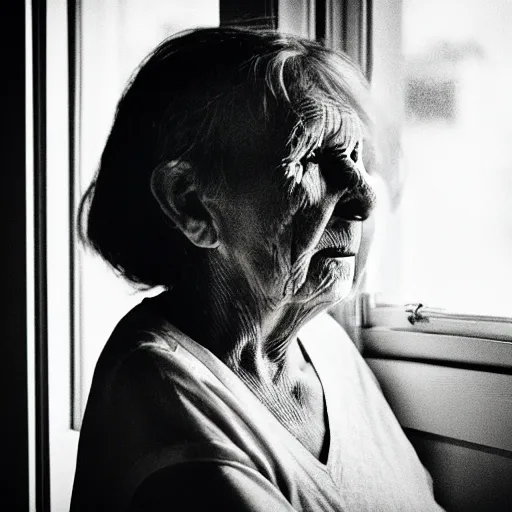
{"x":427,"y":346}
{"x":435,"y":321}
{"x":408,"y":332}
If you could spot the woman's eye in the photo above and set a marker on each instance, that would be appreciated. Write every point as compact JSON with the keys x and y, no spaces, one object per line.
{"x":354,"y":155}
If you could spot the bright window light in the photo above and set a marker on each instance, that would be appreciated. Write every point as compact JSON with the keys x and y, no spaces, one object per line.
{"x":449,"y":242}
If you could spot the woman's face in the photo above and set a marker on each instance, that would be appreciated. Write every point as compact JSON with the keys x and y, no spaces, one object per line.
{"x":292,"y":234}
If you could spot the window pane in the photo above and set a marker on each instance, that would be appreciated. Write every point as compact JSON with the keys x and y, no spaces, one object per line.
{"x":449,"y":243}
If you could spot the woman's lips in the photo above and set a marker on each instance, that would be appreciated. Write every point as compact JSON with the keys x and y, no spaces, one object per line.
{"x":330,"y":257}
{"x":334,"y":252}
{"x":339,"y":240}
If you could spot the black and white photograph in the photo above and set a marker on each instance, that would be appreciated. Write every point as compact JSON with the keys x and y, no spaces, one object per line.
{"x":258,"y":255}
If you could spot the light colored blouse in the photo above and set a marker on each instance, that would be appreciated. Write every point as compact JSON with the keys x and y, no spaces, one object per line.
{"x":159,"y":399}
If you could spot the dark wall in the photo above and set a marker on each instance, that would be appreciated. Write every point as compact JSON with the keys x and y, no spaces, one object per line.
{"x":13,"y":384}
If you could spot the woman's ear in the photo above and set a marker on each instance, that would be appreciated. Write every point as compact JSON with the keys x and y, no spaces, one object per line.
{"x":174,"y":187}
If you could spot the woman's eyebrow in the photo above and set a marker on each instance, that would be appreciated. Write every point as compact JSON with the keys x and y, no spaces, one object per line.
{"x":339,"y":151}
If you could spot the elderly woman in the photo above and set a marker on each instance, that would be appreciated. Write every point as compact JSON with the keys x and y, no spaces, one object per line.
{"x":233,"y":177}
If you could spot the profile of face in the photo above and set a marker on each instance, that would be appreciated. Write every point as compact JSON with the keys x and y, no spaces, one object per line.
{"x":291,"y":233}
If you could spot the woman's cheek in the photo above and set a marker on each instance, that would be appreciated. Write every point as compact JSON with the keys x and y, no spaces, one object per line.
{"x":294,"y":229}
{"x":314,"y":186}
{"x":307,"y":228}
{"x":311,"y":219}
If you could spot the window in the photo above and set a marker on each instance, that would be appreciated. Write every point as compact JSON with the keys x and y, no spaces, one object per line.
{"x":447,"y":240}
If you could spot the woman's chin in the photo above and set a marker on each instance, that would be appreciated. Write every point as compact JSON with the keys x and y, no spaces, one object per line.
{"x":330,"y":280}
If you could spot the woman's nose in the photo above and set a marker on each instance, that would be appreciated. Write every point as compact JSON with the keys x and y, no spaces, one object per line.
{"x":348,"y":178}
{"x":358,"y":197}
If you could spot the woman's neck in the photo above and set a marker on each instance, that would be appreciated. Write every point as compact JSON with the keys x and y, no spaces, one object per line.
{"x":224,"y":315}
{"x":260,"y":346}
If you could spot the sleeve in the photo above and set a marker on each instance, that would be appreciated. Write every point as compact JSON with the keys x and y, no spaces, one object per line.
{"x":208,"y":485}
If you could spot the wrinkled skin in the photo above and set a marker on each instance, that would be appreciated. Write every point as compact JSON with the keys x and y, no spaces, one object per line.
{"x":277,"y":277}
{"x":286,"y":250}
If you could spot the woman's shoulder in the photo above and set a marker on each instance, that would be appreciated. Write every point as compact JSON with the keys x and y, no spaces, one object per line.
{"x":151,"y":404}
{"x":145,"y":351}
{"x":142,"y":343}
{"x":133,"y":365}
{"x":141,"y":325}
